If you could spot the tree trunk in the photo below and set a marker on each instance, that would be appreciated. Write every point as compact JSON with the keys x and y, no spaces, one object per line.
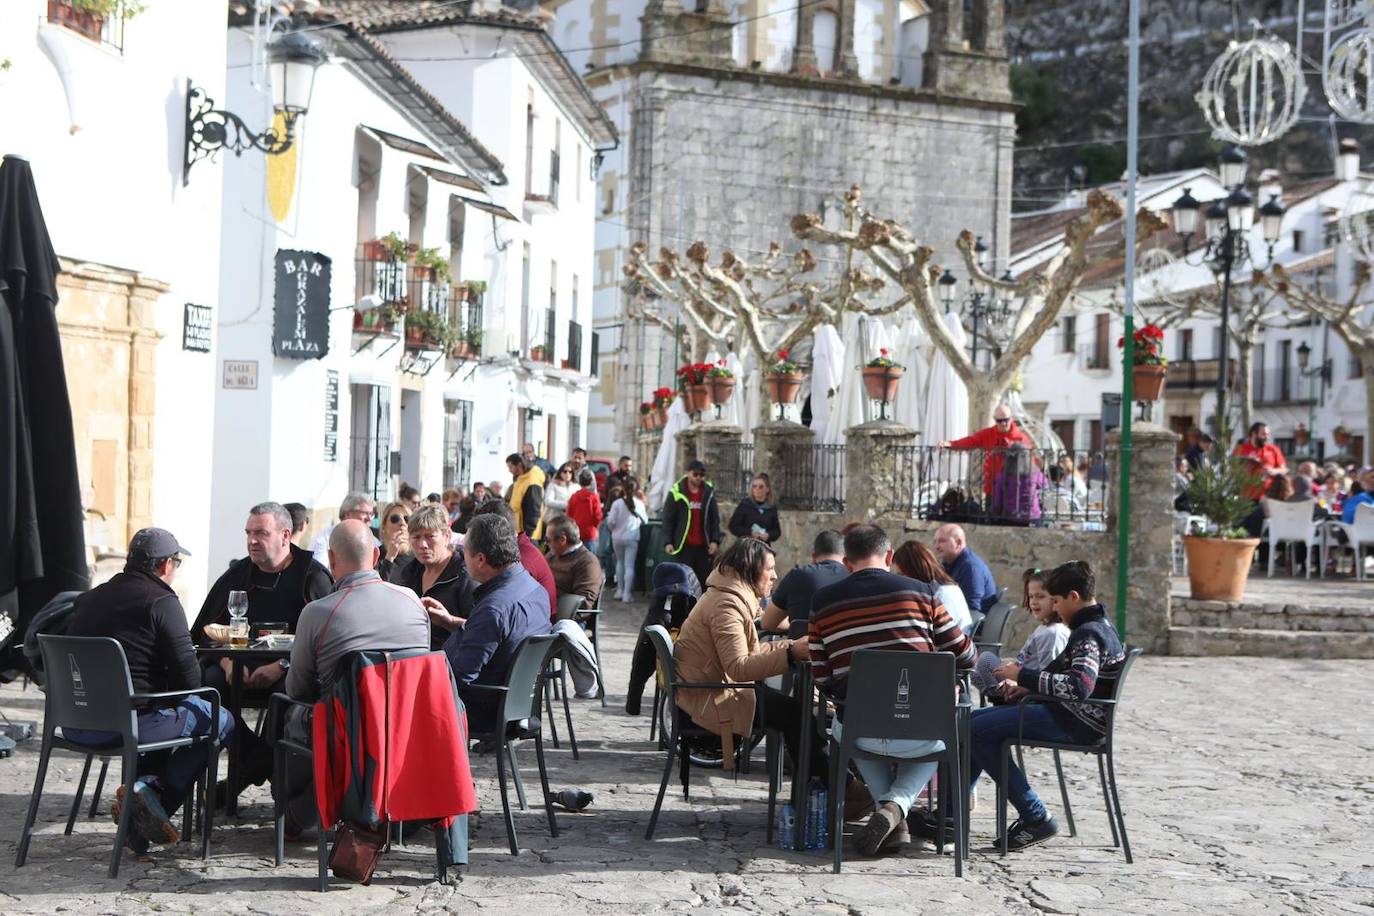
{"x":982,"y":400}
{"x":1366,"y":355}
{"x":1244,"y":392}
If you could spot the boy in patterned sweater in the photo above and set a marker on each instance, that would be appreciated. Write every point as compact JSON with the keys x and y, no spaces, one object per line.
{"x":1087,"y":668}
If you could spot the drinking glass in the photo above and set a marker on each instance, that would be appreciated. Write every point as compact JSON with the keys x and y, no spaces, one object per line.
{"x":238,"y":619}
{"x":238,"y":604}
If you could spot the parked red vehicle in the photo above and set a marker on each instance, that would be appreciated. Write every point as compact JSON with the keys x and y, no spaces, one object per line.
{"x":601,"y":467}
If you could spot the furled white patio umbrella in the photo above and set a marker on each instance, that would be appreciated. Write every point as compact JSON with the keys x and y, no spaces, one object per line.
{"x":663,"y":470}
{"x":946,"y":413}
{"x":827,"y":355}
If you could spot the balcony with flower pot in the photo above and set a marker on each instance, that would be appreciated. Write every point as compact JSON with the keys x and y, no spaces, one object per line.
{"x":382,"y":289}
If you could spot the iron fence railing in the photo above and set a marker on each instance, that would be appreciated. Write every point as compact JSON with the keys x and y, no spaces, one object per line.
{"x":1041,"y":487}
{"x":734,"y":467}
{"x":811,"y":478}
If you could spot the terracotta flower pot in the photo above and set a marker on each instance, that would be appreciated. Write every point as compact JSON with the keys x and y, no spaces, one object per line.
{"x":1217,"y":567}
{"x":783,"y":386}
{"x":722,"y":389}
{"x":1148,"y":382}
{"x":463,"y":350}
{"x":661,"y":415}
{"x":880,"y":383}
{"x":698,"y":398}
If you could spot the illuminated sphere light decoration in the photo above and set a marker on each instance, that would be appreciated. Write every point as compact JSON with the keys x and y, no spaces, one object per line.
{"x":1357,"y":223}
{"x":1252,"y":93}
{"x":1348,"y":76}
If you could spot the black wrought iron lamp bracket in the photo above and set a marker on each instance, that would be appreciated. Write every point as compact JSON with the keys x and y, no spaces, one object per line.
{"x":210,"y":129}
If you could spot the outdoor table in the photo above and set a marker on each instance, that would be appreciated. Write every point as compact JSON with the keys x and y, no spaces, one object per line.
{"x":253,"y":654}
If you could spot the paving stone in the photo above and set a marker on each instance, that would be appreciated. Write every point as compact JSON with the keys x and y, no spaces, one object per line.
{"x":1242,"y":790}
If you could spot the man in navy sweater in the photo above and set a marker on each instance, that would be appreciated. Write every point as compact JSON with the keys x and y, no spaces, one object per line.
{"x":508,"y":605}
{"x":966,"y":567}
{"x":1086,"y":669}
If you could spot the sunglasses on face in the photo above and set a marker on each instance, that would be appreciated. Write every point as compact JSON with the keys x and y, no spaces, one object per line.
{"x":396,"y":518}
{"x":1000,"y":420}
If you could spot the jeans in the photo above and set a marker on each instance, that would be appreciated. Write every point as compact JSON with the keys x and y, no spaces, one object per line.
{"x":898,"y":783}
{"x":994,"y":724}
{"x":191,"y":717}
{"x":625,"y":554}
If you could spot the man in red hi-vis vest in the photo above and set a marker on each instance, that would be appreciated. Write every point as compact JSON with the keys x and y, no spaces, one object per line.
{"x":996,"y":439}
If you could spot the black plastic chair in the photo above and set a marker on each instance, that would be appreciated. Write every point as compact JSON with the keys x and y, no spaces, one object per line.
{"x":1102,"y":750}
{"x":677,"y":606}
{"x":556,"y":675}
{"x":284,"y":748}
{"x":992,"y":631}
{"x":568,"y":609}
{"x":876,"y":706}
{"x":681,"y":728}
{"x":89,"y":687}
{"x":518,"y":720}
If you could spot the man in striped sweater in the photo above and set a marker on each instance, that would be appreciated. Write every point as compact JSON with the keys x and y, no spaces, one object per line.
{"x":877,"y":609}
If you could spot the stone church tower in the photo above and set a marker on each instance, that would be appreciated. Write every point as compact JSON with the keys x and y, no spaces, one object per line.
{"x":736,"y":114}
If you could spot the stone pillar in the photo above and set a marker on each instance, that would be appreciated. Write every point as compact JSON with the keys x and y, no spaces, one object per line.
{"x":782,"y":451}
{"x":804,"y":57}
{"x":847,"y":62}
{"x":946,"y":25}
{"x":878,"y":465}
{"x":989,"y":27}
{"x":1151,"y":526}
{"x":718,"y":446}
{"x":142,"y":399}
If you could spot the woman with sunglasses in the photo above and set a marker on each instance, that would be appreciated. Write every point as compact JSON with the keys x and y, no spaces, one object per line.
{"x":395,"y":540}
{"x":559,"y":491}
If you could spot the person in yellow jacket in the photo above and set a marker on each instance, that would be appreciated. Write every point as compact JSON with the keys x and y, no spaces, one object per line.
{"x":526,"y":496}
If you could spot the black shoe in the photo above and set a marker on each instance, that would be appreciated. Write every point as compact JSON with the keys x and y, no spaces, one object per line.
{"x":486,"y":746}
{"x":922,"y":823}
{"x":1020,"y":834}
{"x":632,"y":704}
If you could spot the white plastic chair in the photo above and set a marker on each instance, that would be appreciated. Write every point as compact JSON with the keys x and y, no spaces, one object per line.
{"x":1360,"y":534}
{"x":1292,"y":523}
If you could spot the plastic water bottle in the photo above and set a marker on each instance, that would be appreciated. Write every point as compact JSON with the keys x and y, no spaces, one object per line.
{"x":822,"y":809}
{"x":815,"y":815}
{"x":787,"y":826}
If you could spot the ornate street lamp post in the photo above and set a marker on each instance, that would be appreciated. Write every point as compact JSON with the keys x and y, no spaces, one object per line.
{"x":979,"y":307}
{"x":1324,"y":373}
{"x":1224,"y":245}
{"x":292,"y":60}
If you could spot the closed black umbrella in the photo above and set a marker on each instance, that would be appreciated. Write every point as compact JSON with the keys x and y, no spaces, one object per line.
{"x":42,"y":547}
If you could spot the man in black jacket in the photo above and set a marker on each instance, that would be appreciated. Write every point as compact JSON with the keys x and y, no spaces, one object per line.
{"x":691,"y":521}
{"x":280,"y":579}
{"x":139,"y":609}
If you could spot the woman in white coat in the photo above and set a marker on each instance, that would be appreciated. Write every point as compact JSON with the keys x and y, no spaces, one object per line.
{"x":627,"y":514}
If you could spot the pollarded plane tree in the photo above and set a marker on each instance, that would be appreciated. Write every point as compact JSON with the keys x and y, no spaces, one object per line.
{"x":763,"y":306}
{"x":1040,"y":295}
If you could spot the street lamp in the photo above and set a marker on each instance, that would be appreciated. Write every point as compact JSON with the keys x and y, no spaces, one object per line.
{"x":1225,"y":243}
{"x":1323,"y":372}
{"x":292,"y":60}
{"x":979,"y":307}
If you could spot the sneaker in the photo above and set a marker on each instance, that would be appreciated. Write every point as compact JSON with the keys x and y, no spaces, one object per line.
{"x":922,"y":822}
{"x":897,"y":839}
{"x":1020,"y":834}
{"x":869,"y":838}
{"x":149,"y":817}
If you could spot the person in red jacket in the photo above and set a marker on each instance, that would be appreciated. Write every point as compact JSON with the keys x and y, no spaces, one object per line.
{"x":1265,"y":458}
{"x":584,"y":507}
{"x":998,"y":437}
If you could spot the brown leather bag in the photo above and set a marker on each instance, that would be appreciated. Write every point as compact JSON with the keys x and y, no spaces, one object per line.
{"x":356,"y":852}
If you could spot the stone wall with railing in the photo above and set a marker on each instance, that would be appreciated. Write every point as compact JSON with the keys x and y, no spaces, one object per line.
{"x":881,"y":475}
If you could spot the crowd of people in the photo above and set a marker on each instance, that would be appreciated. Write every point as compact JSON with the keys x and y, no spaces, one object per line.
{"x":859,"y":592}
{"x":1335,"y":490}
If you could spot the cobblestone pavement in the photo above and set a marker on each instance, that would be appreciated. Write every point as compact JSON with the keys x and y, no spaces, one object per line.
{"x":1243,"y":794}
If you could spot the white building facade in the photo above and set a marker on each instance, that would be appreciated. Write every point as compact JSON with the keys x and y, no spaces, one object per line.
{"x":1083,"y":346}
{"x":96,"y":104}
{"x":441,"y":356}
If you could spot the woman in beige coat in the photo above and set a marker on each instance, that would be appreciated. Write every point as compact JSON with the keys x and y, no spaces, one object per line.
{"x":719,"y":643}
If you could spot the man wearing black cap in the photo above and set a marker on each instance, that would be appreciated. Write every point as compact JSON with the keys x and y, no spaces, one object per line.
{"x":691,"y":521}
{"x":139,"y":609}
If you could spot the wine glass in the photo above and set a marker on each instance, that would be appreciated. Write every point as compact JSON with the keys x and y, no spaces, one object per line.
{"x":238,"y":619}
{"x":238,"y":604}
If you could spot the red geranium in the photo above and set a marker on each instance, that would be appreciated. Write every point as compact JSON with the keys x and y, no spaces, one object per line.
{"x":1148,"y":346}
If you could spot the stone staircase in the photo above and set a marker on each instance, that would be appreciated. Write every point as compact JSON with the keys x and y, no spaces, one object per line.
{"x":1331,"y":624}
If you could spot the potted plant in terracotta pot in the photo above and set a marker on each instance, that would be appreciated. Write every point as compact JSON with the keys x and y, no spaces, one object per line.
{"x":663,"y":399}
{"x":1219,"y":561}
{"x":1148,"y":366}
{"x":431,"y":265}
{"x":696,"y":392}
{"x":783,"y":379}
{"x":722,"y":382}
{"x":647,"y":421}
{"x":881,"y":376}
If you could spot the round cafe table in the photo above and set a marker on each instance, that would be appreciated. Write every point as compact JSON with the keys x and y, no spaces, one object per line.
{"x":248,"y":655}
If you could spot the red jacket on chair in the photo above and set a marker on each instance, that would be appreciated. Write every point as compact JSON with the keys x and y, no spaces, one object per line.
{"x":395,"y":735}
